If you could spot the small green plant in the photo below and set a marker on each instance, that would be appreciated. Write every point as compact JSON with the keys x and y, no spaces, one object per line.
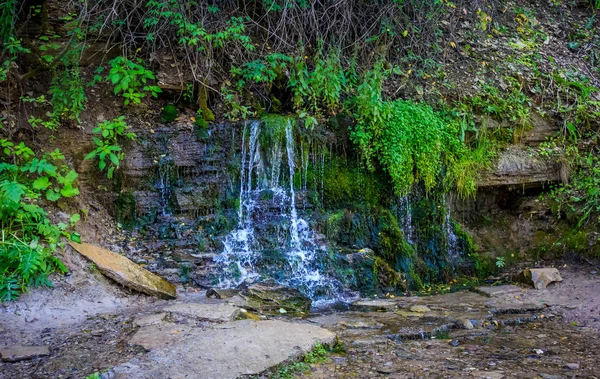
{"x":95,"y":375}
{"x":500,"y":262}
{"x":318,"y":354}
{"x":108,"y":151}
{"x":68,"y":97}
{"x":29,"y":238}
{"x":130,"y":80}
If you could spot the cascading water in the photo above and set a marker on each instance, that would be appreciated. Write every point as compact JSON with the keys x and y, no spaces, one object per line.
{"x":265,"y":187}
{"x":454,"y":252}
{"x":406,"y":219}
{"x":163,"y":182}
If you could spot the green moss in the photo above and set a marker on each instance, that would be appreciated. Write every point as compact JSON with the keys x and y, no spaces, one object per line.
{"x":207,"y":114}
{"x":169,"y":113}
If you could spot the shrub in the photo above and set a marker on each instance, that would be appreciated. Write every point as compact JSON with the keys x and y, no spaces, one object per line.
{"x":108,"y":151}
{"x":29,"y":237}
{"x":130,"y":80}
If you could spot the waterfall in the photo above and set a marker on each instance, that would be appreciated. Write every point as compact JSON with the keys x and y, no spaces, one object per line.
{"x":163,"y":182}
{"x":268,"y":197}
{"x":452,"y":239}
{"x":406,"y":219}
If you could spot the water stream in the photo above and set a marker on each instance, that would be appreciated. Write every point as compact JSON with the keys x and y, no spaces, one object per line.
{"x":268,"y":196}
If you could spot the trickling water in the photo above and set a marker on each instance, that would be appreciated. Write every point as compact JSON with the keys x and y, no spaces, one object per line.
{"x":163,"y":183}
{"x":451,"y":237}
{"x":406,"y":219}
{"x":263,"y":184}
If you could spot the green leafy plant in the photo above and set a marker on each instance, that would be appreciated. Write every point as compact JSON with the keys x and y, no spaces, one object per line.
{"x":108,"y":151}
{"x":500,"y":262}
{"x":68,"y":97}
{"x":130,"y":79}
{"x":29,"y":238}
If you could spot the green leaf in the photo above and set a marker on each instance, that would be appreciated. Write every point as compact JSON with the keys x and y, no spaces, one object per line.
{"x":52,"y":195}
{"x":41,"y":183}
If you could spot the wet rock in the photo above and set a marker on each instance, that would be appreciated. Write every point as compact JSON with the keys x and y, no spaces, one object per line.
{"x":225,"y":351}
{"x":375,"y":305}
{"x":271,"y":298}
{"x":495,"y":291}
{"x":572,"y":366}
{"x":219,"y":293}
{"x":420,"y":309}
{"x":454,"y":343}
{"x":205,"y":312}
{"x":540,"y":277}
{"x":125,"y":272}
{"x":21,"y":353}
{"x":370,"y":341}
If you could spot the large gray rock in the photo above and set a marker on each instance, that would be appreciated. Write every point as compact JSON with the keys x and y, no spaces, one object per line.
{"x":21,"y":353}
{"x":520,"y":166}
{"x":540,"y":277}
{"x":126,"y":272}
{"x":224,"y":351}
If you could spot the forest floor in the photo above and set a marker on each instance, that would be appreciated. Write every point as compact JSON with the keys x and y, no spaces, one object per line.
{"x":90,"y":325}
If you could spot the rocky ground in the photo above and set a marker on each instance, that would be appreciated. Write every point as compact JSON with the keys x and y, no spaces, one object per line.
{"x":91,"y":326}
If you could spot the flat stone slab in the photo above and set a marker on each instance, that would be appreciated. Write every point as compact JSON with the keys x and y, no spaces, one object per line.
{"x":152,"y":319}
{"x":494,"y":291}
{"x":205,"y":312}
{"x":21,"y":353}
{"x":126,"y":272}
{"x":223,"y":351}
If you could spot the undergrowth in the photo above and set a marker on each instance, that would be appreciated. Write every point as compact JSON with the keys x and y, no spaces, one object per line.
{"x":29,"y":236}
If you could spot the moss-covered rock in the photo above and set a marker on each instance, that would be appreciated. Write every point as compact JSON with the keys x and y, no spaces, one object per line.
{"x":169,"y":113}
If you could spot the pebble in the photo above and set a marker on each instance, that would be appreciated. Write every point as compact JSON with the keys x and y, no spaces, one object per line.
{"x":572,"y":366}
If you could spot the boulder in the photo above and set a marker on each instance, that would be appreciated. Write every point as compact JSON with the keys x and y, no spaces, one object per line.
{"x":272,"y":298}
{"x":223,"y":351}
{"x":540,"y":277}
{"x":125,"y":272}
{"x":21,"y":353}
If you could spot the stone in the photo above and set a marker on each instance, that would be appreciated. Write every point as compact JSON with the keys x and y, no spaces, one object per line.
{"x":21,"y":353}
{"x":223,"y":351}
{"x":515,"y":307}
{"x":125,"y":272}
{"x":487,"y":374}
{"x":520,"y":166}
{"x":222,"y":312}
{"x":375,"y":305}
{"x":152,"y":319}
{"x":572,"y":366}
{"x":219,"y":293}
{"x":271,"y":298}
{"x":420,"y":308}
{"x":370,"y":341}
{"x":540,"y":277}
{"x":495,"y":291}
{"x":409,"y":314}
{"x":464,"y":323}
